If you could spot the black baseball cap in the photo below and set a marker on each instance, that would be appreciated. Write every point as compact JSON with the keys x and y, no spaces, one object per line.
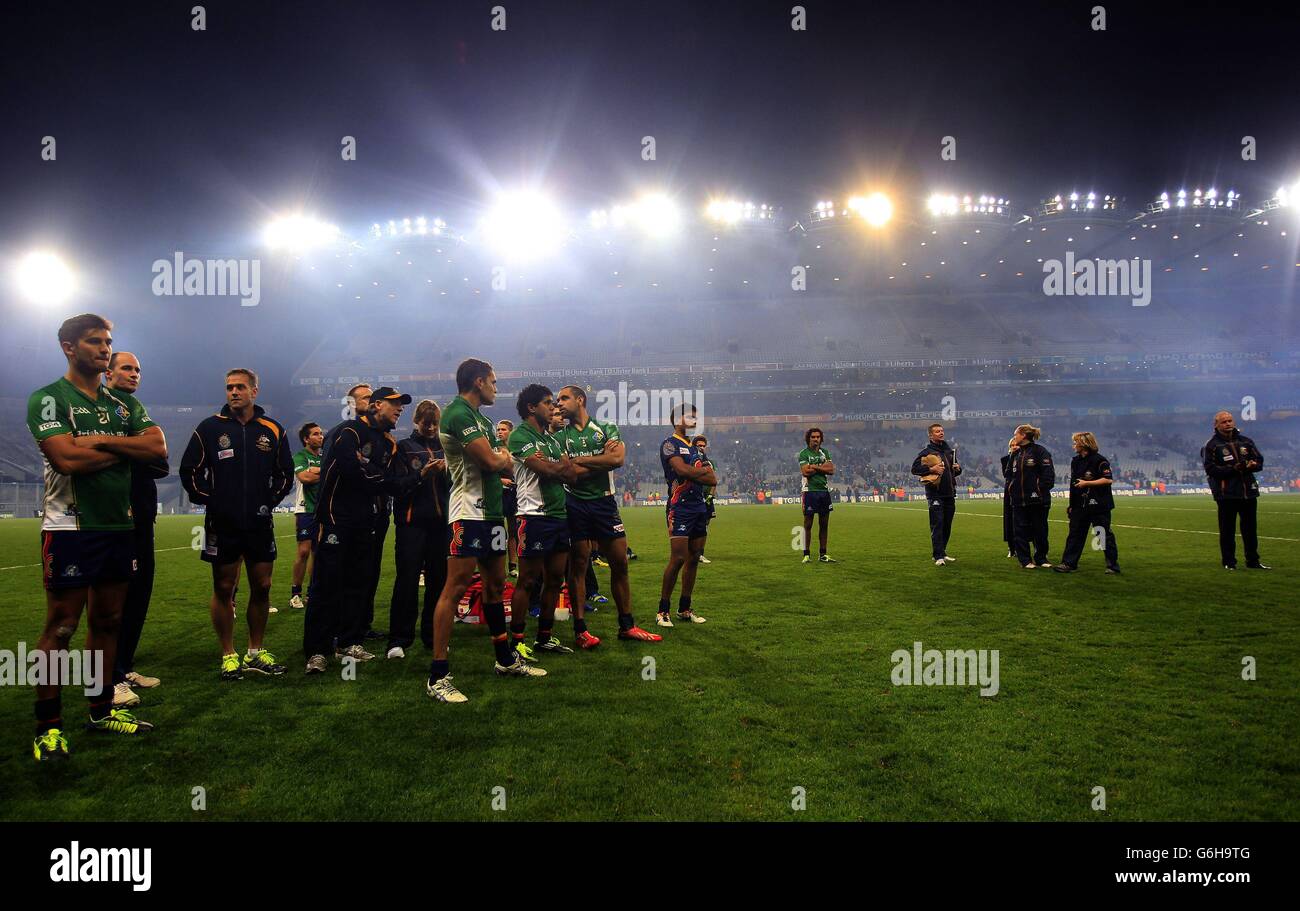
{"x":389,"y":394}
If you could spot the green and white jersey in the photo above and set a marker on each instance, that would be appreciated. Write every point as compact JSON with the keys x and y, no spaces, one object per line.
{"x":100,"y":501}
{"x":588,"y":441}
{"x":808,"y":457}
{"x":474,"y":495}
{"x":537,"y":496}
{"x":305,"y":499}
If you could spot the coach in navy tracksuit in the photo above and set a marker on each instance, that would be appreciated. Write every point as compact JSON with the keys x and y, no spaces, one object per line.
{"x":1091,"y":504}
{"x":1231,"y":461}
{"x":940,"y":494}
{"x":354,"y":471}
{"x":1030,"y":478}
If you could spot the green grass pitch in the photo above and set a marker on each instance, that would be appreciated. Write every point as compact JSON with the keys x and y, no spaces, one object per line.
{"x":1130,"y":683}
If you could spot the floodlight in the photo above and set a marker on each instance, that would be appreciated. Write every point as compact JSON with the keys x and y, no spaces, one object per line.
{"x":43,"y":278}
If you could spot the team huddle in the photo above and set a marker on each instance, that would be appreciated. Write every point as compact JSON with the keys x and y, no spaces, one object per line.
{"x":466,"y":499}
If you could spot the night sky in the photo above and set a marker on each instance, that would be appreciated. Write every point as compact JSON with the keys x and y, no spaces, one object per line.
{"x":170,"y":138}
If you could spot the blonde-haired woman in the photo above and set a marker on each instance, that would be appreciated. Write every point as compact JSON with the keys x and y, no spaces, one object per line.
{"x":1030,"y":478}
{"x":1090,"y":504}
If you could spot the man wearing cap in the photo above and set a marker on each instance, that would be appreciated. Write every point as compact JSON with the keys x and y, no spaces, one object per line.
{"x":354,"y":471}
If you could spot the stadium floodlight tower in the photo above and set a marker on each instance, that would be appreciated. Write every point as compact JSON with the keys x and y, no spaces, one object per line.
{"x":1197,"y":202}
{"x":1285,"y":198}
{"x":733,"y":213}
{"x":873,"y":209}
{"x":406,"y":227}
{"x":1078,"y":205}
{"x":985,"y":207}
{"x":655,"y":215}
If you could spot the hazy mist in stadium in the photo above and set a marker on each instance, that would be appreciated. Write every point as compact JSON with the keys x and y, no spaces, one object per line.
{"x":447,"y":114}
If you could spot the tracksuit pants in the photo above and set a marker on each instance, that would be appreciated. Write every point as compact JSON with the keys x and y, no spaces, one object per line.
{"x":376,"y":567}
{"x":418,"y":549}
{"x":1080,"y":521}
{"x":941,"y":513}
{"x":1229,"y":510}
{"x":340,"y":589}
{"x":136,"y":607}
{"x":1029,"y":524}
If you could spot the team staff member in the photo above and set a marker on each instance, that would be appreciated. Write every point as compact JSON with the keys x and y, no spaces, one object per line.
{"x":238,"y":466}
{"x":306,"y":468}
{"x":701,"y":445}
{"x":686,"y":472}
{"x":815,"y":466}
{"x":1231,"y":460}
{"x":593,"y":515}
{"x":1090,"y":504}
{"x":355,"y":470}
{"x":87,"y":433}
{"x":123,"y":375}
{"x":941,"y":493}
{"x":1008,"y":532}
{"x":509,"y":501}
{"x":540,"y":469}
{"x":420,"y":532}
{"x":476,"y":461}
{"x":1030,"y":478}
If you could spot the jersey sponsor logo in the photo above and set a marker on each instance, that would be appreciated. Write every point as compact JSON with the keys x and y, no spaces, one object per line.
{"x":223,"y":441}
{"x":49,"y":425}
{"x":618,"y":527}
{"x":468,"y":430}
{"x":264,"y":443}
{"x":80,"y":409}
{"x":225,"y":454}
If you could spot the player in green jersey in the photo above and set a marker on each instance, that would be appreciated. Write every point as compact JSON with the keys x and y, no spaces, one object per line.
{"x":88,"y":435}
{"x":815,"y":466}
{"x":306,"y":468}
{"x":593,"y":515}
{"x":475,"y":461}
{"x":541,"y":470}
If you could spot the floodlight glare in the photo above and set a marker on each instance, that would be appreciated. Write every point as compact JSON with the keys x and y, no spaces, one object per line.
{"x":523,"y":226}
{"x":875,"y":209}
{"x":657,"y":215}
{"x":43,"y":278}
{"x":299,"y":232}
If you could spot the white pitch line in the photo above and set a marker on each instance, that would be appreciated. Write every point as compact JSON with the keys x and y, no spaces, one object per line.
{"x":158,"y":550}
{"x":1185,"y":531}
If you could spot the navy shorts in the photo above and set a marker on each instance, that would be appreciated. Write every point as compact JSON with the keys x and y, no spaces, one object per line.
{"x":594,"y":519}
{"x":817,"y":503}
{"x":688,"y":520}
{"x":222,"y":545}
{"x":509,"y":502}
{"x":542,"y":535}
{"x":479,"y":538}
{"x":76,"y":559}
{"x":305,"y":526}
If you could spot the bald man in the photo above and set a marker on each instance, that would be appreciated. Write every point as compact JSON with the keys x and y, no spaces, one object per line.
{"x":1231,"y":460}
{"x":123,"y":374}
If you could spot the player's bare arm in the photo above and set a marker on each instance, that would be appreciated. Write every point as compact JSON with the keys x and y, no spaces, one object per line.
{"x":146,"y":446}
{"x":67,"y":457}
{"x":487,"y":458}
{"x":612,"y":457}
{"x":702,"y":474}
